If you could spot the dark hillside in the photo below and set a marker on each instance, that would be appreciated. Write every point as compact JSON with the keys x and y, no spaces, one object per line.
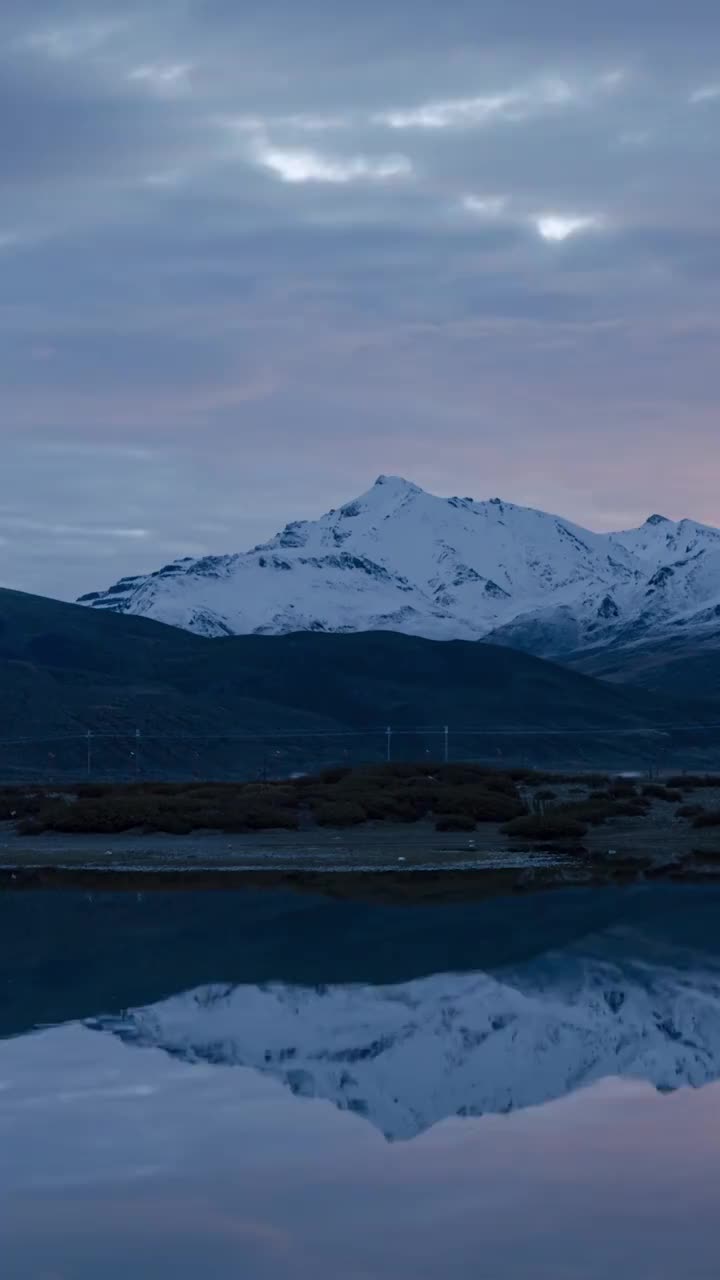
{"x":65,"y":670}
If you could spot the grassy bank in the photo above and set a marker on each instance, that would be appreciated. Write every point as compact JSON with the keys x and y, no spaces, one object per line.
{"x":526,"y":806}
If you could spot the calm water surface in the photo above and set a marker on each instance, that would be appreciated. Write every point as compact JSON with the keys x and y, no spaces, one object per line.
{"x":271,"y":1086}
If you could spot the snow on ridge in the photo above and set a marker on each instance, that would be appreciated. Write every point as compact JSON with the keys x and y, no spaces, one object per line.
{"x":399,"y":558}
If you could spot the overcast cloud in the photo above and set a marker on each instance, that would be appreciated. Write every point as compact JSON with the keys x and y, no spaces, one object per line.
{"x":254,"y":254}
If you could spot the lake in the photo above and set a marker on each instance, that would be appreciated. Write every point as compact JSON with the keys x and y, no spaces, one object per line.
{"x":271,"y":1085}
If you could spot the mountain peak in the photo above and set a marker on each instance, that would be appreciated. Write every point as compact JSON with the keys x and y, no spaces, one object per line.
{"x":656,"y":519}
{"x":397,"y":482}
{"x":398,"y":558}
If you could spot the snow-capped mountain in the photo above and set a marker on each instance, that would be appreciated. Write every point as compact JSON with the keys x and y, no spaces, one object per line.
{"x":401,"y":559}
{"x":409,"y":1055}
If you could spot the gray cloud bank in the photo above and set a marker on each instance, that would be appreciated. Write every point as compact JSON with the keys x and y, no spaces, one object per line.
{"x":253,"y":255}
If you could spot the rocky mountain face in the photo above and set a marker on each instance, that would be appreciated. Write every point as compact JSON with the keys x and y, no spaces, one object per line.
{"x":406,"y":1056}
{"x":400,"y":559}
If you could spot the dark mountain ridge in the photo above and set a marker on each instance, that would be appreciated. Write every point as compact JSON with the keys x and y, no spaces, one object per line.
{"x":65,"y":670}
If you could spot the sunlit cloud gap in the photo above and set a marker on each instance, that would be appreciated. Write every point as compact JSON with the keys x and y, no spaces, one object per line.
{"x":513,"y":105}
{"x":456,"y":113}
{"x":300,"y":164}
{"x":556,"y":227}
{"x":550,"y":226}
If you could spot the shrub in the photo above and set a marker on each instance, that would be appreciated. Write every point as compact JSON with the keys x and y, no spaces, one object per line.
{"x":469,"y":774}
{"x":410,"y":798}
{"x":597,"y":812}
{"x":112,"y":814}
{"x":278,"y":794}
{"x":94,"y":790}
{"x":549,"y":826}
{"x":420,"y":796}
{"x":337,"y":813}
{"x":707,"y":818}
{"x":217,"y":793}
{"x":657,"y":791}
{"x":30,"y":827}
{"x":504,"y":785}
{"x":630,"y":809}
{"x":236,"y":814}
{"x":689,"y":811}
{"x":478,"y":803}
{"x":101,"y":817}
{"x":492,"y":806}
{"x":259,"y":820}
{"x":390,"y":806}
{"x":688,"y":781}
{"x":455,"y":822}
{"x":334,"y":774}
{"x":173,"y":824}
{"x":19,"y":804}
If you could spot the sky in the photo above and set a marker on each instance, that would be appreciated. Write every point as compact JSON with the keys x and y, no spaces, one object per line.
{"x":254,"y":254}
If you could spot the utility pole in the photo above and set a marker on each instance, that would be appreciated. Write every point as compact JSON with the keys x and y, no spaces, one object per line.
{"x":89,"y":752}
{"x":446,"y":743}
{"x":388,"y":736}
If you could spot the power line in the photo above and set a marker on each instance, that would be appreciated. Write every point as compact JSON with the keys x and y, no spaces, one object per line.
{"x":121,"y":755}
{"x":132,"y":735}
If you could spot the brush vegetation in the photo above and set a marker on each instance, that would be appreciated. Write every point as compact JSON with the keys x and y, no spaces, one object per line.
{"x":454,"y":797}
{"x":336,"y":797}
{"x":552,"y":826}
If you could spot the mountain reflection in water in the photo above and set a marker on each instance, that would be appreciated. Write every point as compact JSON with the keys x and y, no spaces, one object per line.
{"x":213,"y":1074}
{"x":408,"y":1055}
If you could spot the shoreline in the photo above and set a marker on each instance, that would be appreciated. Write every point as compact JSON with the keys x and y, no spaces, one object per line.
{"x":629,"y":838}
{"x":420,"y":884}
